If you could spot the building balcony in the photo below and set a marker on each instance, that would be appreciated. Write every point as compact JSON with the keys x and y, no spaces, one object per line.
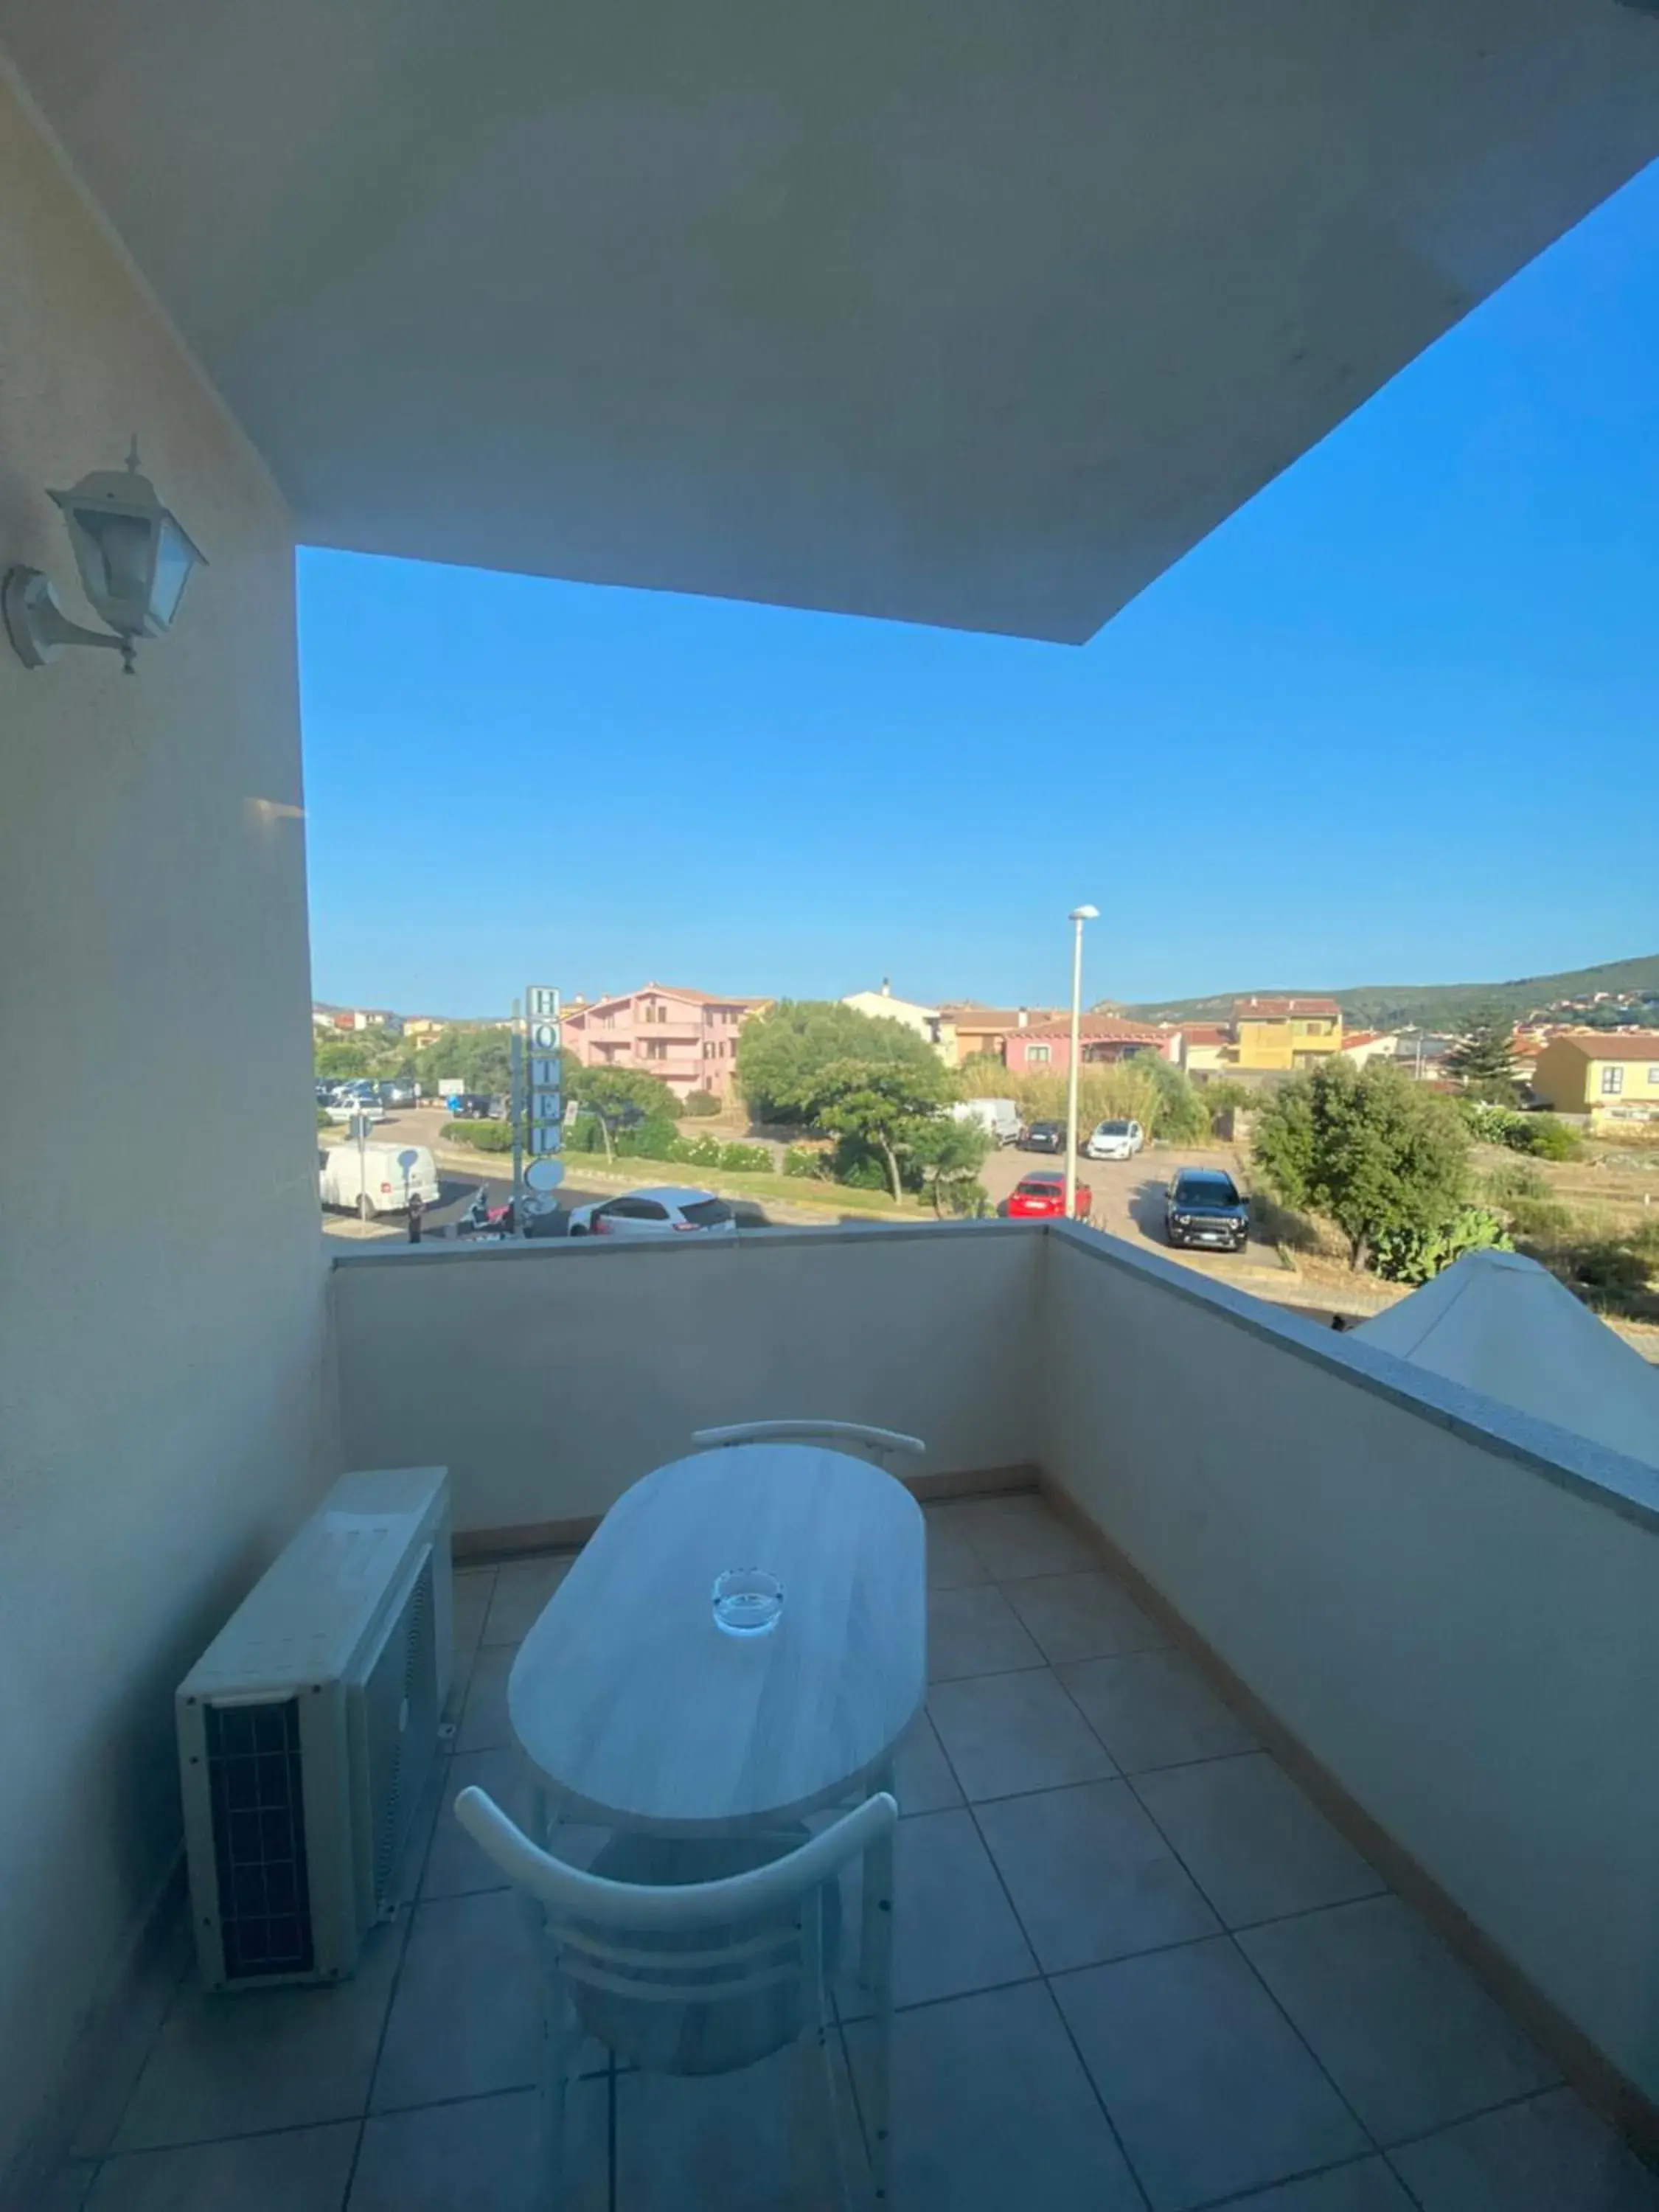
{"x":1279,"y":1832}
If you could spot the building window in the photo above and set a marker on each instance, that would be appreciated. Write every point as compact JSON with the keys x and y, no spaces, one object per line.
{"x":1613,"y":1082}
{"x":656,"y":1049}
{"x":607,"y":1021}
{"x":1037,"y":1052}
{"x":1653,"y":1079}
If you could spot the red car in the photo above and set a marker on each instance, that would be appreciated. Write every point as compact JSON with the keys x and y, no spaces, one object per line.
{"x":1042,"y":1196}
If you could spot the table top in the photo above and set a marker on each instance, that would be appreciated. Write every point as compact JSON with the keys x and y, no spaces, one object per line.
{"x":640,"y":1712}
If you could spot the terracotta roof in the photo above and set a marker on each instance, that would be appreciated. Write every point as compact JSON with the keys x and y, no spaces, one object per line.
{"x":1203,"y":1033}
{"x":668,"y":991}
{"x":1245,"y":1010}
{"x":1352,"y":1037}
{"x":1613,"y":1044}
{"x":1101,"y":1029}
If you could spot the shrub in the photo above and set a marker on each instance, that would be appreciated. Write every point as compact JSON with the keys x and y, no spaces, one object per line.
{"x":1406,"y":1255}
{"x":482,"y":1136}
{"x":1539,"y":1220}
{"x":654,"y":1138}
{"x":745,"y":1159}
{"x":1513,"y":1181}
{"x":1546,"y":1139}
{"x":802,"y":1160}
{"x":1607,"y":1266}
{"x":324,"y":1121}
{"x":858,"y":1170}
{"x":695,"y":1151}
{"x":700,"y":1104}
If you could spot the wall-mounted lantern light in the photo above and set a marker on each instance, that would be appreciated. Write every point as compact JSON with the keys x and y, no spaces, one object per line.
{"x":135,"y":559}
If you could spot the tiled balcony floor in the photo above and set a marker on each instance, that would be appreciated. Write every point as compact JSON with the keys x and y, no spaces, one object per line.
{"x":1135,"y":1967}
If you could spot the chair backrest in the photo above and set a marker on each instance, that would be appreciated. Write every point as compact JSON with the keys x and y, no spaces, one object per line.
{"x":842,"y":1435}
{"x":762,"y":1926}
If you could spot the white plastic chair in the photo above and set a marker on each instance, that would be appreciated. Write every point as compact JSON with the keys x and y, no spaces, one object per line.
{"x":722,"y":1963}
{"x":844,"y":1436}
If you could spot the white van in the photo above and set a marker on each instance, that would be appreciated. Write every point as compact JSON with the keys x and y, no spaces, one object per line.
{"x":377,"y":1178}
{"x":998,"y":1117}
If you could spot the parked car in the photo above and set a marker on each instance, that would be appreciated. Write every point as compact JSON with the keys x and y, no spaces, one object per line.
{"x":662,"y":1210}
{"x":471,"y":1106}
{"x":377,"y":1178}
{"x":1042,"y":1197}
{"x":998,"y":1117}
{"x":1114,"y":1140}
{"x":1043,"y":1137}
{"x":348,"y":1105}
{"x":1202,"y":1206}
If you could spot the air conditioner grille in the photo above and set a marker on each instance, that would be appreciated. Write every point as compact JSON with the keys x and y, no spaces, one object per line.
{"x":259,"y":1838}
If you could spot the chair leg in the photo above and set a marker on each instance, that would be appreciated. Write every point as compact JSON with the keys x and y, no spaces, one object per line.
{"x":875,"y":1933}
{"x":878,"y":1974}
{"x":560,"y":2037}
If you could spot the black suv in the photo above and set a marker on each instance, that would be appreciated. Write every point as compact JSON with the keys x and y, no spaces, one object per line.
{"x":1043,"y":1137}
{"x":1202,"y":1206}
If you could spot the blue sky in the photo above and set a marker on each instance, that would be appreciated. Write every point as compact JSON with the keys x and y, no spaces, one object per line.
{"x":1393,"y":722}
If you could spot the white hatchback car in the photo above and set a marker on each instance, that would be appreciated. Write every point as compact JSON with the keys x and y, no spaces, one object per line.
{"x":662,"y":1211}
{"x":1114,"y":1140}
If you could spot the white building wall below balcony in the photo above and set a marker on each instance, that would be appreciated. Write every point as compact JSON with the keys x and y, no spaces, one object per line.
{"x":1454,"y":1609}
{"x":161,"y":1287}
{"x":550,"y":1376}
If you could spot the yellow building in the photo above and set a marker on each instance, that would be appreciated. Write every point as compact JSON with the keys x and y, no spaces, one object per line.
{"x":1286,"y":1032}
{"x":1610,"y":1073}
{"x":421,"y":1030}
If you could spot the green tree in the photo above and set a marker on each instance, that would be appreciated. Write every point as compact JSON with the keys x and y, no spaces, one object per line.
{"x":891,"y":1106}
{"x":1484,"y":1061}
{"x":336,"y":1059}
{"x":613,"y":1099}
{"x":785,"y":1053}
{"x":948,"y":1155}
{"x":1368,"y":1148}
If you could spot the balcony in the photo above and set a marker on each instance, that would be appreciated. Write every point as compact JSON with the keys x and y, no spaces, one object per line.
{"x":1279,"y":1833}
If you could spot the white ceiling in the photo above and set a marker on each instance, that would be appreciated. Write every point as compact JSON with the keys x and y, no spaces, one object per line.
{"x":969,"y":312}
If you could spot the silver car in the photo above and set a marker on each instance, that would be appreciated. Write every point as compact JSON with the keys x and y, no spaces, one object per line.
{"x":665,"y":1210}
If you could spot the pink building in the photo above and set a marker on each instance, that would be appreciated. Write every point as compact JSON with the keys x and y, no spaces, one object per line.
{"x":687,"y":1039}
{"x":1045,"y":1048}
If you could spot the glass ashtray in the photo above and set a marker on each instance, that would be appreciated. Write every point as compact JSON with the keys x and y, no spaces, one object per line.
{"x":747,"y":1601}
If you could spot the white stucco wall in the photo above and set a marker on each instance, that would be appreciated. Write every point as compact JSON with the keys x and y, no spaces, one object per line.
{"x":1467,"y":1640}
{"x":161,"y":1291}
{"x":549,"y":1377}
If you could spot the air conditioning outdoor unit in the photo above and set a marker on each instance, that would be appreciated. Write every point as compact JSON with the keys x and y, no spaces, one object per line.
{"x":308,"y":1729}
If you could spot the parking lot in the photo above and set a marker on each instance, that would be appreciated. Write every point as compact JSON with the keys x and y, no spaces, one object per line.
{"x":1128,"y":1198}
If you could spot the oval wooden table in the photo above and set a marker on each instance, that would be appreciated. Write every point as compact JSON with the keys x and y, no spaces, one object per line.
{"x":637,"y":1711}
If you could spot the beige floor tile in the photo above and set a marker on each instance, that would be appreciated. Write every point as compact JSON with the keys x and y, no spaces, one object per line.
{"x":1209,"y":2090}
{"x":474,"y":1587}
{"x":1256,"y":1843}
{"x":975,"y":1632}
{"x":1366,"y":2185}
{"x":1549,"y":2154}
{"x":302,"y":2170}
{"x":1006,"y":1734}
{"x":992,"y":2110}
{"x":1087,"y":1616}
{"x":483,"y":2154}
{"x":1090,"y":1877}
{"x":952,"y":1562}
{"x":1019,"y":1535}
{"x":484,"y":1725}
{"x":1154,"y":1708}
{"x":922,"y":1779}
{"x":1404,"y":2030}
{"x":258,"y":2059}
{"x":522,"y":1590}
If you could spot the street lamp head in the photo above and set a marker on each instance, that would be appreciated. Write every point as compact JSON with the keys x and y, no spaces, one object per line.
{"x":1083,"y":914}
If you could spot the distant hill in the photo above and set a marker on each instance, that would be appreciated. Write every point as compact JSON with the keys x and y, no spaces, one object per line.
{"x":1433,"y":1006}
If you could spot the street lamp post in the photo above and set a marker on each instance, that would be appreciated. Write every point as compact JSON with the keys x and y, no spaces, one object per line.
{"x":1079,"y":915}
